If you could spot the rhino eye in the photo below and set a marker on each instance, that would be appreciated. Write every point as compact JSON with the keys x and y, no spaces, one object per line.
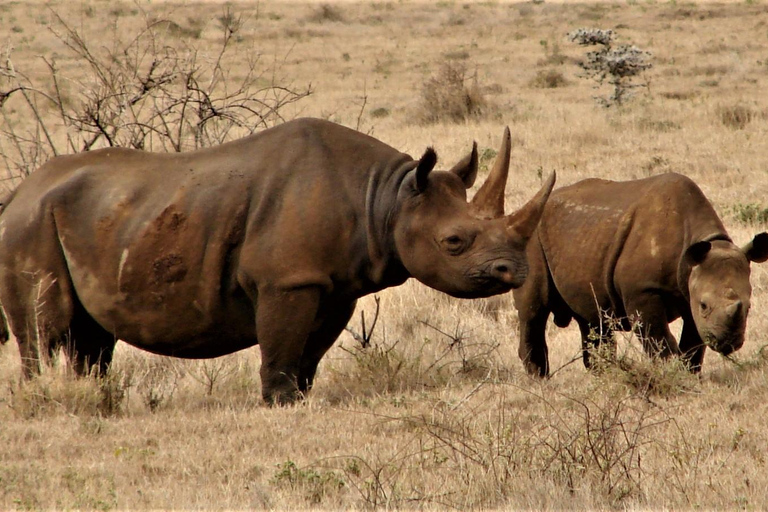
{"x":703,"y":306}
{"x":454,"y":244}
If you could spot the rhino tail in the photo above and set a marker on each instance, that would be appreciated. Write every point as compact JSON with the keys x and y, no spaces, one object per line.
{"x":5,"y":334}
{"x":5,"y":198}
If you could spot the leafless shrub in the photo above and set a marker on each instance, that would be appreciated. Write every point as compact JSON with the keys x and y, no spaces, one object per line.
{"x":616,"y":65}
{"x":597,"y":442}
{"x":151,"y":91}
{"x":209,"y":372}
{"x":158,"y":382}
{"x":452,"y":96}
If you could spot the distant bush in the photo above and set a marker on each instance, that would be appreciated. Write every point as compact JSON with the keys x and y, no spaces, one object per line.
{"x":616,"y":65}
{"x":750,"y":213}
{"x":549,"y":79}
{"x":452,"y":96}
{"x":327,"y":12}
{"x":380,"y":112}
{"x":736,"y":117}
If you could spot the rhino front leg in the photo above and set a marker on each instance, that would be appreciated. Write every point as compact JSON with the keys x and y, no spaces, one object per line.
{"x":692,"y":346}
{"x":284,"y":321}
{"x":651,"y":325}
{"x":321,"y":340}
{"x":90,"y":345}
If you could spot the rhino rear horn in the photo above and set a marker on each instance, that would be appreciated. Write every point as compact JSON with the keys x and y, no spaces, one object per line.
{"x":488,"y":202}
{"x":524,"y":221}
{"x":466,"y":169}
{"x":426,"y":164}
{"x":757,"y":249}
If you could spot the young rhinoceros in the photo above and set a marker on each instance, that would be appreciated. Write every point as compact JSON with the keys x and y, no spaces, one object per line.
{"x":266,"y":240}
{"x":642,"y":252}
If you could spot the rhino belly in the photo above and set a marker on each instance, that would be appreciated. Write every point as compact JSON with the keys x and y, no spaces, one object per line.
{"x":172,"y":302}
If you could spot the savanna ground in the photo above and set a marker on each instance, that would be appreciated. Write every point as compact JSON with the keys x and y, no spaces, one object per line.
{"x":437,"y":412}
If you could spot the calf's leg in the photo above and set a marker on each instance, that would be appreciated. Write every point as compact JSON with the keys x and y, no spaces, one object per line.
{"x":593,"y":339}
{"x":649,"y":315}
{"x":692,"y":346}
{"x":532,"y":349}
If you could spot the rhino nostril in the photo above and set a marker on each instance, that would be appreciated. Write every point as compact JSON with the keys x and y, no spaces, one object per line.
{"x":503,"y":271}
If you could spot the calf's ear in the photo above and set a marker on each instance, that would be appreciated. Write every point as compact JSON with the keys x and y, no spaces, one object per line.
{"x":466,"y":169}
{"x":696,"y":253}
{"x":757,"y":249}
{"x":525,"y":220}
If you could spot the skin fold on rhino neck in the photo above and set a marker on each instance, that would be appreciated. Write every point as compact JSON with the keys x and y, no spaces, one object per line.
{"x":384,"y":184}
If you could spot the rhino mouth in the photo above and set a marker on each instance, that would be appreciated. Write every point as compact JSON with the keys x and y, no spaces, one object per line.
{"x":483,"y":288}
{"x":724,"y":346}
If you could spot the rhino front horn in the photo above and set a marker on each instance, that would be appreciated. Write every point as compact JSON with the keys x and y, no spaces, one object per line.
{"x":524,"y":221}
{"x":488,"y":202}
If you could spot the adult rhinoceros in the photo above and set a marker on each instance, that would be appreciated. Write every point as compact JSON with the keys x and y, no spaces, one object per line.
{"x":269,"y":239}
{"x":642,"y":253}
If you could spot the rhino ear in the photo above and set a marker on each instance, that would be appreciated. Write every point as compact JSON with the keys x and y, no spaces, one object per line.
{"x":696,"y":253}
{"x":488,"y":202}
{"x":466,"y":169}
{"x":426,"y":164}
{"x":525,"y":220}
{"x":757,"y":249}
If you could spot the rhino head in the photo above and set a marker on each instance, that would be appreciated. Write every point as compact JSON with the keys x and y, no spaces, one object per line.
{"x":720,"y":290}
{"x":466,"y":250}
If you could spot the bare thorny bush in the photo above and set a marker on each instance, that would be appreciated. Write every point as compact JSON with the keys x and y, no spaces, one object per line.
{"x":489,"y":450}
{"x":151,"y":91}
{"x":387,"y":366}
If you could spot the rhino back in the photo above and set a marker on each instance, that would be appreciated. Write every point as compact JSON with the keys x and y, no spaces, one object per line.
{"x":606,"y":241}
{"x":153,"y":242}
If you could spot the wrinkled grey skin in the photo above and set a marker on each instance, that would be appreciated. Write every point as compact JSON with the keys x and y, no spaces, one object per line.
{"x":645,"y":253}
{"x":270,"y":239}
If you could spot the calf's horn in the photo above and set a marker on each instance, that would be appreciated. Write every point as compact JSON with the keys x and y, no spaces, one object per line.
{"x":524,"y":221}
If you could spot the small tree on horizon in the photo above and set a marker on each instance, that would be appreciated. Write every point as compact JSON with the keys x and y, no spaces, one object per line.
{"x":616,"y":65}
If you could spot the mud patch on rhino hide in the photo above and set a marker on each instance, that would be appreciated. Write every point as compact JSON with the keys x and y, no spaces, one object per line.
{"x":168,"y":269}
{"x":170,"y":220}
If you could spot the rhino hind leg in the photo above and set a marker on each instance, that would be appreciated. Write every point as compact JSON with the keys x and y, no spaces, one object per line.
{"x":321,"y":340}
{"x":39,"y":309}
{"x":596,"y":342}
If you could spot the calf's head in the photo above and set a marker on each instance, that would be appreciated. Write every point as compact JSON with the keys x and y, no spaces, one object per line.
{"x":720,"y":290}
{"x":464,"y":249}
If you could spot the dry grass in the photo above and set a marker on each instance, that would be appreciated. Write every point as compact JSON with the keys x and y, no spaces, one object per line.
{"x":437,"y":413}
